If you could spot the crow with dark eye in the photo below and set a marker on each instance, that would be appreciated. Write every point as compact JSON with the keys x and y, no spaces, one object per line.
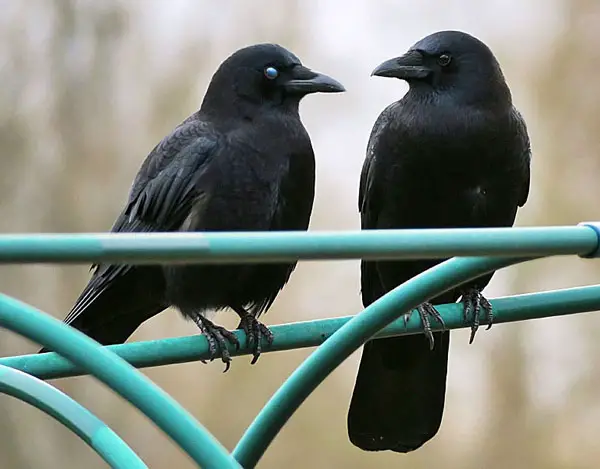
{"x":243,"y":162}
{"x":452,"y":153}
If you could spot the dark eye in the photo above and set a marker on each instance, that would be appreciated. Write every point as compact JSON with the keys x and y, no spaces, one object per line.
{"x":271,"y":73}
{"x":444,"y":60}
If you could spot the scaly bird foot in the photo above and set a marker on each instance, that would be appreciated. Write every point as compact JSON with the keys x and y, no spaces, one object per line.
{"x":473,"y":301}
{"x":426,"y":310}
{"x":217,"y":337}
{"x":255,"y":333}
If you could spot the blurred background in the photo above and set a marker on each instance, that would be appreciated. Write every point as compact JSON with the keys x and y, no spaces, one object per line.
{"x":87,"y":88}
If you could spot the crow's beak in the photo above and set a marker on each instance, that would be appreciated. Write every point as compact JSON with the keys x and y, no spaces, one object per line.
{"x":409,"y":66}
{"x":305,"y":81}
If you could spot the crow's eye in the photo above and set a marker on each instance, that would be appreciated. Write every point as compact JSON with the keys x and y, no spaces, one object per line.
{"x":271,"y":73}
{"x":444,"y":60}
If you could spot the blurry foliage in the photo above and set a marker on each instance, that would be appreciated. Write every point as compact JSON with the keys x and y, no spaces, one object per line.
{"x":89,"y":87}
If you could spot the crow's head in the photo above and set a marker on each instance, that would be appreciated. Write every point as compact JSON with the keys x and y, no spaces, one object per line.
{"x":266,"y":74}
{"x":449,"y":62}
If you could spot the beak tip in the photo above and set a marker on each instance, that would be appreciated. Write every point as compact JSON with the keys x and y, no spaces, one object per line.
{"x":408,"y":66}
{"x":317,"y":83}
{"x":332,"y":85}
{"x":335,"y":87}
{"x":381,"y":69}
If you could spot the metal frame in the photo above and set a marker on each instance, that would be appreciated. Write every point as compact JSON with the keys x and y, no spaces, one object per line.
{"x":72,"y":415}
{"x":338,"y":338}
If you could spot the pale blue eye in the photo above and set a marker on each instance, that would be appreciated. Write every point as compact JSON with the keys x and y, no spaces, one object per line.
{"x":271,"y":73}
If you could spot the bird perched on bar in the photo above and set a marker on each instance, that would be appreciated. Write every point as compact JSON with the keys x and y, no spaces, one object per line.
{"x":452,"y":153}
{"x":243,"y":162}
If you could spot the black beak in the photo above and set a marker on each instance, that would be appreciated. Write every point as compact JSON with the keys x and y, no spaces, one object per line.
{"x":305,"y":81}
{"x":409,"y":66}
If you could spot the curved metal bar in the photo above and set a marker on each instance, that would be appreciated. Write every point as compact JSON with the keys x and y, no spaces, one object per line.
{"x":314,"y":333}
{"x":166,"y":413}
{"x":72,"y":415}
{"x":211,"y":247}
{"x":350,"y":337}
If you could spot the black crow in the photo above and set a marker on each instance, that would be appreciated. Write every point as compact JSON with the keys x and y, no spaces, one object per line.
{"x":243,"y":162}
{"x":452,"y":153}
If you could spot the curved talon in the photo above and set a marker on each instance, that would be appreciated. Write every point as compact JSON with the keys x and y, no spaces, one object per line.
{"x":405,"y":318}
{"x":255,"y":332}
{"x":489,"y":314}
{"x":217,"y":337}
{"x":473,"y":302}
{"x":425,"y":311}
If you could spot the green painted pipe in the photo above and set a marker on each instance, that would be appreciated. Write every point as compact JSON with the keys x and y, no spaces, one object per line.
{"x":72,"y":415}
{"x":517,"y":244}
{"x":166,"y":413}
{"x":349,"y":338}
{"x":313,"y":333}
{"x":213,"y":247}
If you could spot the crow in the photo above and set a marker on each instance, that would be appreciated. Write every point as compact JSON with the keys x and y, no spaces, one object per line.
{"x":243,"y":162}
{"x":452,"y":153}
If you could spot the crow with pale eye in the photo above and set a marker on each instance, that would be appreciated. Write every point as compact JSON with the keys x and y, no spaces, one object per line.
{"x":243,"y":162}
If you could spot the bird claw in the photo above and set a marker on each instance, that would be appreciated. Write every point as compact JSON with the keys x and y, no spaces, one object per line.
{"x":473,"y":301}
{"x":426,"y":310}
{"x":255,"y":332}
{"x":217,"y":337}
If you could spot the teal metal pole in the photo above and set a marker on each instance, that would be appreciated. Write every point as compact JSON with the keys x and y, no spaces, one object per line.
{"x":212,"y":247}
{"x":166,"y":413}
{"x":350,"y":337}
{"x":72,"y":415}
{"x":314,"y":333}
